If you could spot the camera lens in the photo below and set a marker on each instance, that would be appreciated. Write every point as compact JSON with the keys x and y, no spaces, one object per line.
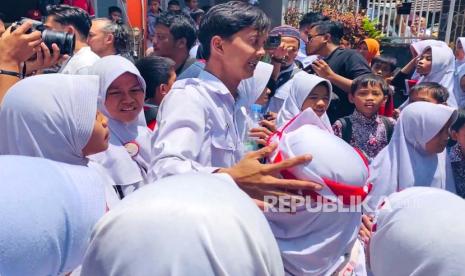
{"x":63,"y":40}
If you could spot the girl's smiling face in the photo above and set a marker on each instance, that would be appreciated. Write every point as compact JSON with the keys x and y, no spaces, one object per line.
{"x":125,"y":98}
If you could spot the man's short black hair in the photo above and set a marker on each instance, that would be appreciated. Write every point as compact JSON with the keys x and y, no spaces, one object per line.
{"x":74,"y":16}
{"x":180,"y":25}
{"x":174,"y":3}
{"x":392,"y":62}
{"x":310,"y":18}
{"x":227,"y":19}
{"x":437,"y":91}
{"x":113,"y":9}
{"x":156,"y":71}
{"x":364,"y":81}
{"x":335,"y":29}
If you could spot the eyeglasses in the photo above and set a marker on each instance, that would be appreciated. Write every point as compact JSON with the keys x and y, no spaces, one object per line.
{"x":310,"y":37}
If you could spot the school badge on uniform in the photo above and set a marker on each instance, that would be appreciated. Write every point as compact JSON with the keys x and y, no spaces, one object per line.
{"x":132,"y":148}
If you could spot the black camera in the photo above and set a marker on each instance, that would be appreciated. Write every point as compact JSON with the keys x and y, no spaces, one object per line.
{"x":273,"y":42}
{"x":63,"y":40}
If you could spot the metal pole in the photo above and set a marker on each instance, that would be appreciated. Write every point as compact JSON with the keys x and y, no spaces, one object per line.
{"x":450,"y":17}
{"x":389,"y":18}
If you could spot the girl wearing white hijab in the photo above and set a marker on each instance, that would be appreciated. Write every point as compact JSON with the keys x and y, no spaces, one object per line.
{"x":442,"y":69}
{"x":459,"y":53}
{"x":306,"y":90}
{"x":319,"y":241}
{"x":419,"y":231}
{"x":121,"y":99}
{"x":190,"y":224}
{"x":416,"y":154}
{"x":460,"y":86}
{"x":55,"y":117}
{"x":418,"y":47}
{"x":48,"y":211}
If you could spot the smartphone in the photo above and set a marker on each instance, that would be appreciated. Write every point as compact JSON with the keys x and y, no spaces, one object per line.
{"x":273,"y":42}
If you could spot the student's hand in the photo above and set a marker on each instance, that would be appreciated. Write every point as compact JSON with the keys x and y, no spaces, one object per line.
{"x":44,"y":58}
{"x":17,"y":46}
{"x":396,"y":113}
{"x":261,"y":133}
{"x":249,"y":172}
{"x":279,"y":55}
{"x":269,"y":124}
{"x":366,"y":228}
{"x":322,"y":69}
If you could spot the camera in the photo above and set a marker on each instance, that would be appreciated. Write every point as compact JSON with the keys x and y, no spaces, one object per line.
{"x":65,"y":41}
{"x":273,"y":42}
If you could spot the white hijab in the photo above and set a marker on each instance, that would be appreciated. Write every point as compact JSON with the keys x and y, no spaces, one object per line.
{"x":404,"y":162}
{"x":420,"y":46}
{"x":462,"y":41}
{"x":459,"y":94}
{"x":442,"y":71}
{"x":318,"y":242}
{"x":124,"y":169}
{"x":50,"y":116}
{"x":190,"y":224}
{"x":301,"y":88}
{"x":419,"y":231}
{"x":47,"y":215}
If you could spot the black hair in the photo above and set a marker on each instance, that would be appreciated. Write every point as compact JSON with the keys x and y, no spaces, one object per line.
{"x":2,"y":17}
{"x":310,"y":18}
{"x":335,"y":29}
{"x":460,"y":121}
{"x":113,"y":9}
{"x":437,"y":91}
{"x":364,"y":81}
{"x":392,"y":62}
{"x":229,"y":18}
{"x":174,"y":3}
{"x":180,"y":25}
{"x":196,"y":14}
{"x":74,"y":16}
{"x":156,"y":71}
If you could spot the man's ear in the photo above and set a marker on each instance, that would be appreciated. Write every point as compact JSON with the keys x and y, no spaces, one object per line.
{"x":216,"y":45}
{"x":181,"y":43}
{"x":327,"y":38}
{"x":163,"y":89}
{"x":109,"y":39}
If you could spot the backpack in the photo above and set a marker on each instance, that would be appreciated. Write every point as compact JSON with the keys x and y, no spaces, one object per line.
{"x":347,"y":128}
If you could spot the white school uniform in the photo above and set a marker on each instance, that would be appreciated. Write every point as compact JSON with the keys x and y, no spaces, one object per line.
{"x":191,"y":224}
{"x":48,"y":212}
{"x":318,"y":242}
{"x":129,"y":155}
{"x":302,"y":86}
{"x":403,"y":162}
{"x":52,"y":116}
{"x":80,"y":63}
{"x":200,"y":126}
{"x":419,"y":231}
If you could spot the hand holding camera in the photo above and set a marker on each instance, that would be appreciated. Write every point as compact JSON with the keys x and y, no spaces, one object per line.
{"x":18,"y":45}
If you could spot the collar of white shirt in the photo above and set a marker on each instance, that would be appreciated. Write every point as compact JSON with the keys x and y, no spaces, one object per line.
{"x":213,"y":83}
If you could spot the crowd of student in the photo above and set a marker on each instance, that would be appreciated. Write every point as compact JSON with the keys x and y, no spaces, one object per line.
{"x":120,"y":167}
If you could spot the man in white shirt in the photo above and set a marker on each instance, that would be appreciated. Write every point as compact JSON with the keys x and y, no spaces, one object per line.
{"x":200,"y":122}
{"x":109,"y":38}
{"x":73,"y":20}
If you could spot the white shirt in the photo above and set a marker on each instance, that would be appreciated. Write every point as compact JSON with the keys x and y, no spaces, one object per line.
{"x":80,"y":63}
{"x":199,"y":127}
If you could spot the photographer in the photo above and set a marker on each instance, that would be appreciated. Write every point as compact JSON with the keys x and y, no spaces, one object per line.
{"x":283,"y":60}
{"x":15,"y":48}
{"x":73,"y":20}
